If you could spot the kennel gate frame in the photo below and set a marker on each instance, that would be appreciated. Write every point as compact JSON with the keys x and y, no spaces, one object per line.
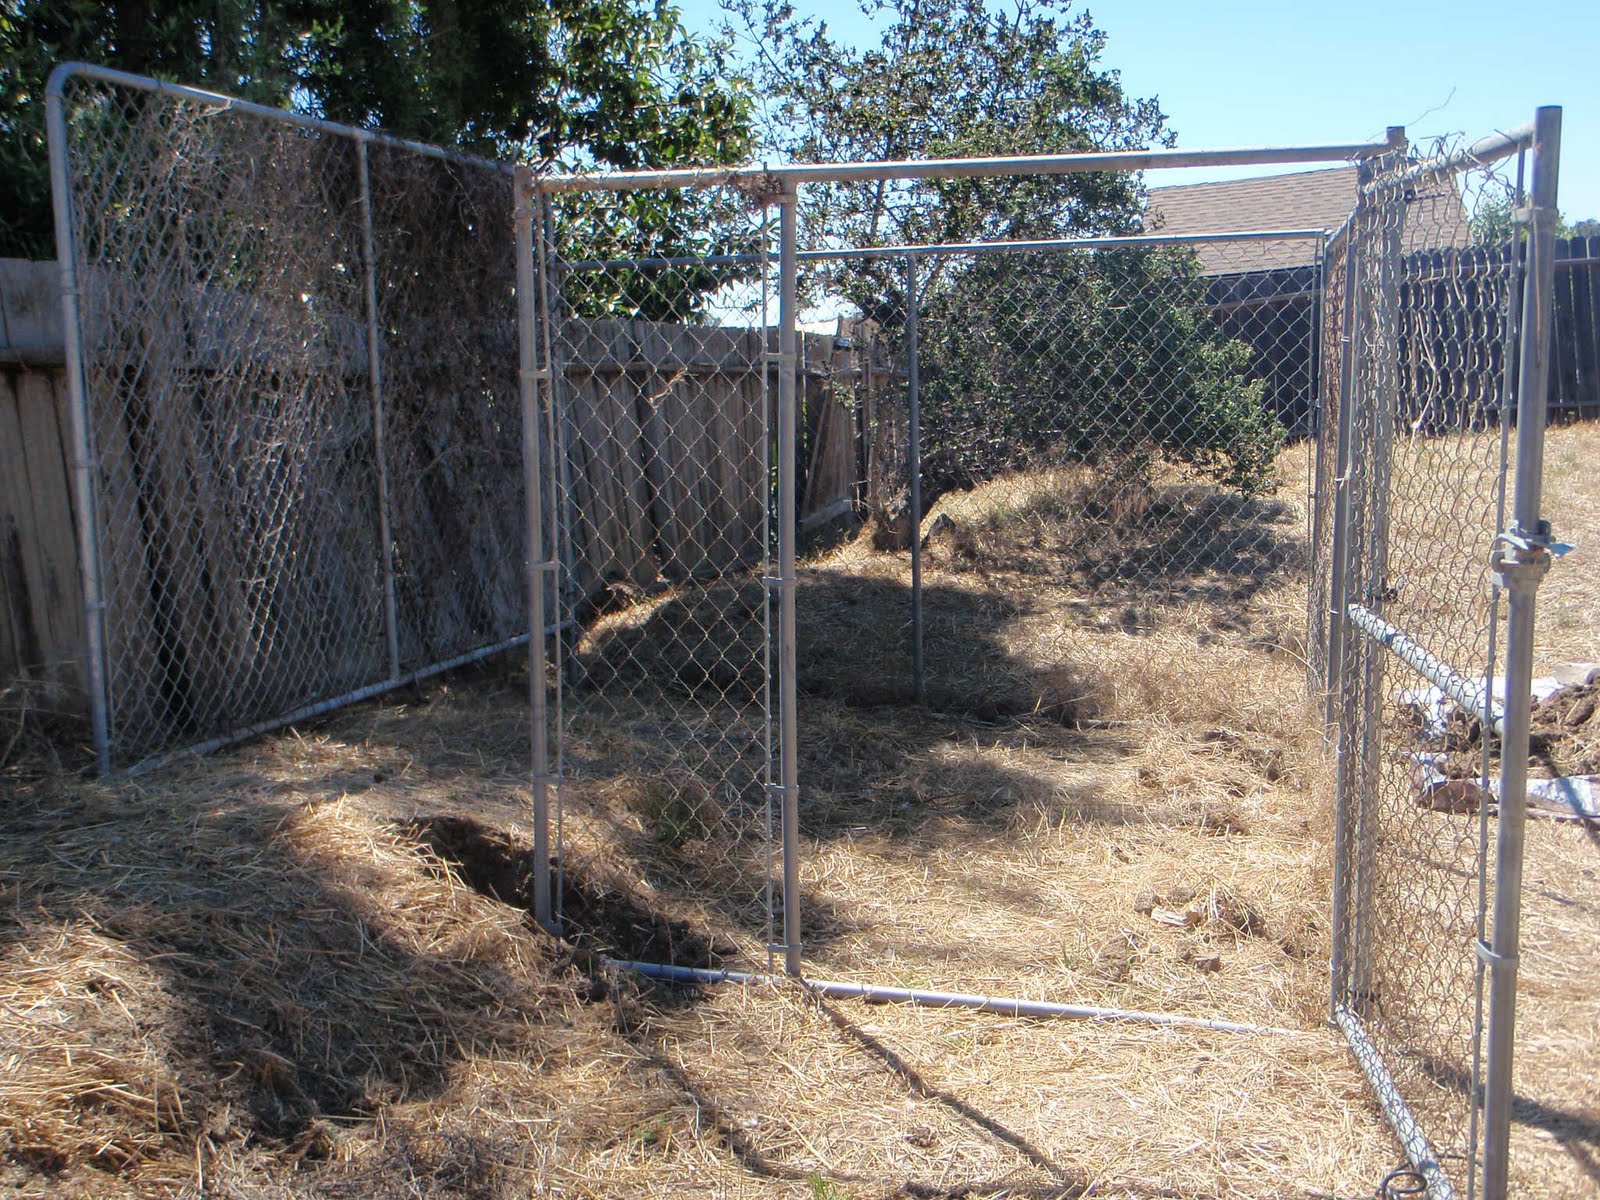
{"x":779,"y":186}
{"x":1521,"y":553}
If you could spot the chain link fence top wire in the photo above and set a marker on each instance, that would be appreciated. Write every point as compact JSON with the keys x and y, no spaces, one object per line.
{"x":662,"y":356}
{"x":229,"y":392}
{"x":1427,"y":477}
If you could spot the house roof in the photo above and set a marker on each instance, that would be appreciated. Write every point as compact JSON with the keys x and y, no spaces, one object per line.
{"x":1319,"y":199}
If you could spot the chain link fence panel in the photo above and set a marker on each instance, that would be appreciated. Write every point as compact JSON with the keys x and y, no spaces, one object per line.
{"x":664,"y":372}
{"x":299,"y":395}
{"x":1422,"y":484}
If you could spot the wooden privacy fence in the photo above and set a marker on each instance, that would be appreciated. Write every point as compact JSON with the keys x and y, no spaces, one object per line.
{"x":675,"y":488}
{"x":41,"y":609}
{"x":667,"y":448}
{"x":1450,"y":303}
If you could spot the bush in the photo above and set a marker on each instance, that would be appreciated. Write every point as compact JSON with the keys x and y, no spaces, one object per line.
{"x":1085,"y":356}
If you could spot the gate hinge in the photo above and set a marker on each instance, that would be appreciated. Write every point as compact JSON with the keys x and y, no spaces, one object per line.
{"x":1520,"y":560}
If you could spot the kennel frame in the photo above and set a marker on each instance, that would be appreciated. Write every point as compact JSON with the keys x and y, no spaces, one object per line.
{"x":1520,"y":566}
{"x":1524,"y":550}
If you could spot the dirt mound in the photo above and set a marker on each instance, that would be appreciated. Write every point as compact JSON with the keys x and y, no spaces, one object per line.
{"x":1565,"y":730}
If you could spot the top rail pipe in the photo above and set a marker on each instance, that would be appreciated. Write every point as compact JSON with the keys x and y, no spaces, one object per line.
{"x":57,"y":83}
{"x":772,"y":178}
{"x":934,"y":249}
{"x":1489,"y":149}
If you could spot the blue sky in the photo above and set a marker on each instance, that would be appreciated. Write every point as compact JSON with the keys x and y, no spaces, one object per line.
{"x":1281,"y":72}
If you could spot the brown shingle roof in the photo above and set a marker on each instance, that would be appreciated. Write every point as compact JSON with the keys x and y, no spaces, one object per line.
{"x":1319,"y":199}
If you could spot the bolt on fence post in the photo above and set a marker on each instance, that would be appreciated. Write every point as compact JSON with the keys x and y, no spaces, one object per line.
{"x":1523,"y":558}
{"x":369,"y":255}
{"x":914,"y":453}
{"x":528,"y":379}
{"x":788,"y":723}
{"x":81,"y":431}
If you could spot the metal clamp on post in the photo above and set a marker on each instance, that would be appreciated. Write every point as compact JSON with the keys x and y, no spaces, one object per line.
{"x":778,"y":790}
{"x":776,"y":358}
{"x":536,"y":374}
{"x":778,"y":581}
{"x":1519,"y":561}
{"x":554,"y":781}
{"x":1496,"y":962}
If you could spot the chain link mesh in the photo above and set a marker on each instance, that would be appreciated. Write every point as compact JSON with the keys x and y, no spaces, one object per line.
{"x":664,"y":371}
{"x":245,"y":441}
{"x":1431,"y":324}
{"x":1121,"y":411}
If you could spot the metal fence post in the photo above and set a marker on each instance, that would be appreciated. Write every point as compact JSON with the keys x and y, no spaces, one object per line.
{"x":1383,"y":401}
{"x":81,"y":432}
{"x":1340,"y":709}
{"x":914,"y":453}
{"x":380,"y":453}
{"x":1522,"y":557}
{"x":529,"y":377}
{"x":788,"y":723}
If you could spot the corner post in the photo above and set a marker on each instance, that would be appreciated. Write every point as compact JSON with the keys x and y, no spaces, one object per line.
{"x":380,"y":450}
{"x":84,"y":463}
{"x":1522,"y":557}
{"x":914,"y":454}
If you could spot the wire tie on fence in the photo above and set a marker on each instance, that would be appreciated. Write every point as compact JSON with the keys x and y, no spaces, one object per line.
{"x":536,"y":374}
{"x":780,"y":790}
{"x":548,"y":564}
{"x":779,"y":359}
{"x":1496,"y":962}
{"x":778,"y":581}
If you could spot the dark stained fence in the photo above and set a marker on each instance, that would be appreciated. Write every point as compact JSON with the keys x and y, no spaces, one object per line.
{"x":1450,"y":301}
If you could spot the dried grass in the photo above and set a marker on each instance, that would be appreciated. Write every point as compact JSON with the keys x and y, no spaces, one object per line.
{"x":282,"y":971}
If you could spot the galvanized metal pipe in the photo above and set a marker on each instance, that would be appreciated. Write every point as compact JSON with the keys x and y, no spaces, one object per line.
{"x":84,"y":463}
{"x":788,"y":701}
{"x":935,"y":249}
{"x":914,"y":453}
{"x":322,"y":707}
{"x":1470,"y":694}
{"x":380,"y":451}
{"x":566,"y":628}
{"x":68,"y":70}
{"x":1418,"y":1149}
{"x":539,"y":576}
{"x":1001,"y":1005}
{"x":1521,"y":569}
{"x":1340,"y":714}
{"x":1489,"y":149}
{"x":953,"y":168}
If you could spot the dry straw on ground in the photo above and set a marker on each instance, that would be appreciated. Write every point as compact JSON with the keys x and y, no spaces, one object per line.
{"x":298,"y":968}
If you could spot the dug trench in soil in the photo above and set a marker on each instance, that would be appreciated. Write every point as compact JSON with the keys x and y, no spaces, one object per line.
{"x":601,"y":916}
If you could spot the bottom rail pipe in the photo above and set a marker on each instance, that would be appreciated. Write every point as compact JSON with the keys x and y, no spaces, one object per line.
{"x":1004,"y":1005}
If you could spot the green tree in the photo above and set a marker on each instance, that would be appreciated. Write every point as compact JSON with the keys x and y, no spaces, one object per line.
{"x":1022,"y":355}
{"x":950,"y":79}
{"x":581,"y":82}
{"x":1096,"y":357}
{"x":1494,"y":221}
